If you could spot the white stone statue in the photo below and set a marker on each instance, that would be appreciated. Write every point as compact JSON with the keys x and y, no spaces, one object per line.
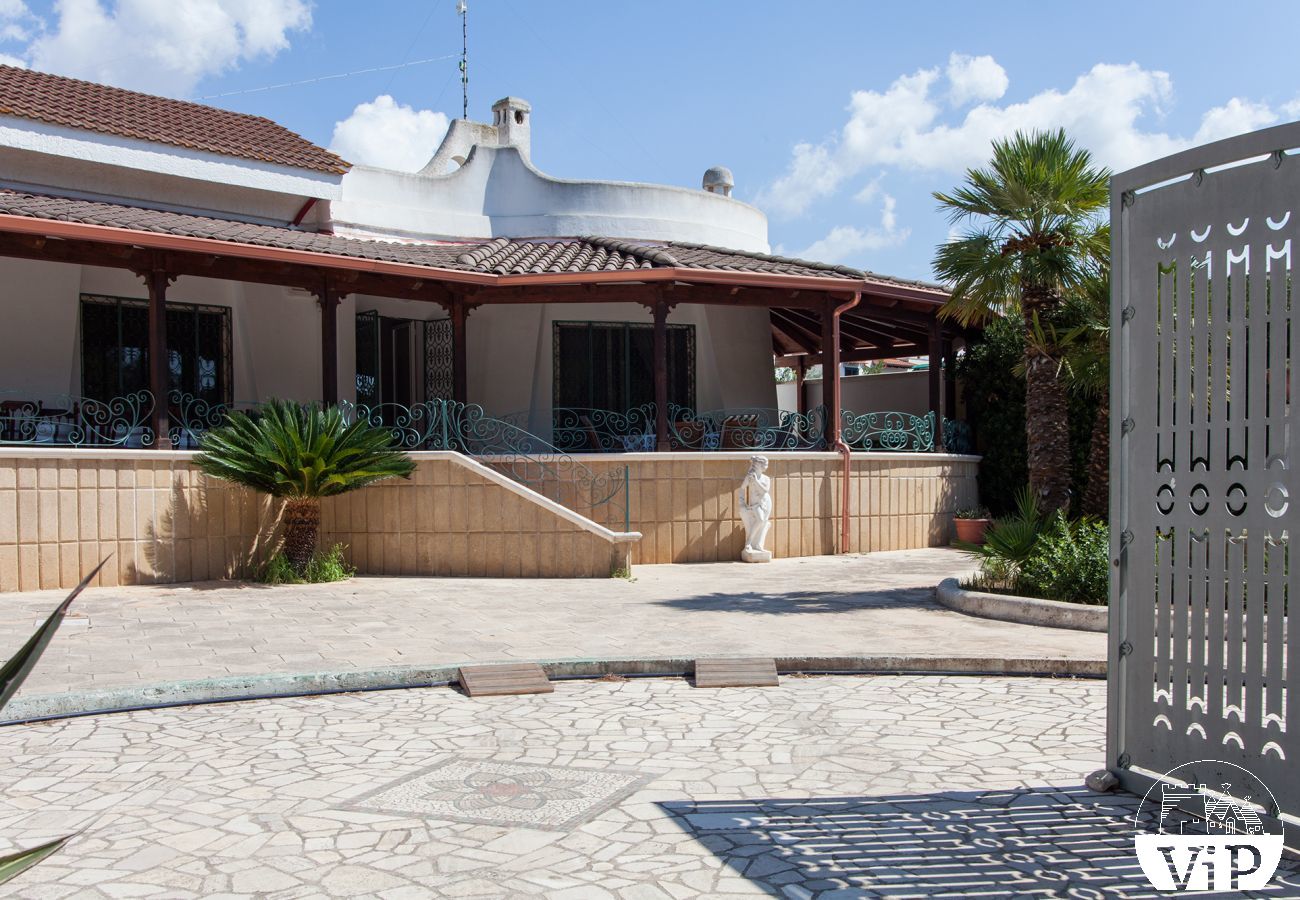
{"x":755,"y":503}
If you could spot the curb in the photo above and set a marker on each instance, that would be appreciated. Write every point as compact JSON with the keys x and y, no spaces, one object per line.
{"x":275,"y":686}
{"x":1025,"y":610}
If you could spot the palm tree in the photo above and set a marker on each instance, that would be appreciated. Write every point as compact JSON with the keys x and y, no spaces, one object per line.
{"x":1086,"y":348}
{"x":302,"y":453}
{"x":1035,"y":232}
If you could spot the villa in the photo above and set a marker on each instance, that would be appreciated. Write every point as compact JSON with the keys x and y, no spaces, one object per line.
{"x":164,"y":261}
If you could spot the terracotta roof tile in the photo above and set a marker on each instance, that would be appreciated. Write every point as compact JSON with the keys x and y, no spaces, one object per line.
{"x":493,"y":256}
{"x":110,"y":110}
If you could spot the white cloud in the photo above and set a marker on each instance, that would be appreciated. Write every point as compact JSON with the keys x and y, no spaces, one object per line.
{"x":16,"y":21}
{"x":1237,"y":116}
{"x":7,"y":60}
{"x":161,"y":46}
{"x":845,"y":242}
{"x":390,"y":135}
{"x":975,"y":78}
{"x":904,"y":126}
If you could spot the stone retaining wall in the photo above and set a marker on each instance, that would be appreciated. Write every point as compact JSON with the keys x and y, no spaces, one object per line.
{"x":456,"y":517}
{"x":684,"y":504}
{"x":62,"y":511}
{"x":161,"y":521}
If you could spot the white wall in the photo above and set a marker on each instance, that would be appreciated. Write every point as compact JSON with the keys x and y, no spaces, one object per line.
{"x":39,"y":344}
{"x":498,"y":193}
{"x":276,"y":336}
{"x":907,"y":392}
{"x":510,"y":354}
{"x":275,"y":332}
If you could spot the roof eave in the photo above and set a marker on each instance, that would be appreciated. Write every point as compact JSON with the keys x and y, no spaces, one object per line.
{"x":107,"y":234}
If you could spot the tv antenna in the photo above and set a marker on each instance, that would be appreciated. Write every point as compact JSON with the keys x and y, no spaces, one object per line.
{"x":464,"y":57}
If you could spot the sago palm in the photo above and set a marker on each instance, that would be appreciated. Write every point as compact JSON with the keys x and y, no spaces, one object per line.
{"x":1035,"y":232}
{"x":302,"y":453}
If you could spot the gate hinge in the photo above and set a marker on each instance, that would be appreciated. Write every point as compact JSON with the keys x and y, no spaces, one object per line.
{"x":1125,"y":648}
{"x":1125,"y":538}
{"x":1128,"y":313}
{"x":1124,"y":761}
{"x":1127,"y":425}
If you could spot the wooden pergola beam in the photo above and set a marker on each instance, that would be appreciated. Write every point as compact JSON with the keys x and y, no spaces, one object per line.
{"x":852,"y":356}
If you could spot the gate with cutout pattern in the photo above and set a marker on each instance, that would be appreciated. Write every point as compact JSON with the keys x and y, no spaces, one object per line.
{"x":1204,"y":453}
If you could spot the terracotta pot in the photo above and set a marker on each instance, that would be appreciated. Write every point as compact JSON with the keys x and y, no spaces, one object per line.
{"x":971,"y":531}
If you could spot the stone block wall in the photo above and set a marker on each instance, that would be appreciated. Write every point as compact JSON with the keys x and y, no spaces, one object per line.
{"x":158,"y":519}
{"x":684,"y":504}
{"x":62,"y":511}
{"x":455,"y":517}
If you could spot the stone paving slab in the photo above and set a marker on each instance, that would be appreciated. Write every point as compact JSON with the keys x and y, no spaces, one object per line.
{"x":878,"y":604}
{"x":821,"y":789}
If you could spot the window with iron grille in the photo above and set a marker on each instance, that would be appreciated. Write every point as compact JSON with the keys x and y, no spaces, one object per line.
{"x":610,"y":365}
{"x":115,"y":348}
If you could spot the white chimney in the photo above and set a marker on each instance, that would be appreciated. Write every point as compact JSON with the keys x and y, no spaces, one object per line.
{"x":513,"y":120}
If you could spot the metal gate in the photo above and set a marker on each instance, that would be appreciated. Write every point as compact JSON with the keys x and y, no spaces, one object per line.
{"x":1203,"y":655}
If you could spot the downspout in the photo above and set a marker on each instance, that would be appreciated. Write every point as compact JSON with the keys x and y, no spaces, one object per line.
{"x":844,"y":450}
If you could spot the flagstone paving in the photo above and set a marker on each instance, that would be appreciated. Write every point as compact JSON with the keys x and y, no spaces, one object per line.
{"x":648,"y":789}
{"x":878,"y":603}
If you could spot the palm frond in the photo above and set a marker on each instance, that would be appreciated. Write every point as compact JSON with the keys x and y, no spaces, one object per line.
{"x":294,"y":450}
{"x":1036,"y":216}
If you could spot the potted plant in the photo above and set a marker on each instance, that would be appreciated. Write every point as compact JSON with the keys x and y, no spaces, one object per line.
{"x":970,"y":523}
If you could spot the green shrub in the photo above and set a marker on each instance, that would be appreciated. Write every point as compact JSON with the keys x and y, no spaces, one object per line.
{"x":324,"y":566}
{"x":1044,"y":556}
{"x":329,"y":565}
{"x":1071,"y":562}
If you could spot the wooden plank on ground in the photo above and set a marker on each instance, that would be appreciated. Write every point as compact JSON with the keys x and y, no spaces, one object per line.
{"x":749,"y":672}
{"x":510,"y":678}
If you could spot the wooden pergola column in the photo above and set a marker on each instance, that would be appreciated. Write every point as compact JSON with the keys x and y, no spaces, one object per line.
{"x":660,"y":353}
{"x":329,"y":341}
{"x":156,"y":281}
{"x":831,"y":370}
{"x":949,"y":379}
{"x":459,"y":313}
{"x":936,"y":381}
{"x":800,"y":371}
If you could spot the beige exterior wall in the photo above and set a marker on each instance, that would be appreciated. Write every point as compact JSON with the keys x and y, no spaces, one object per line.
{"x":461,"y":520}
{"x":62,"y":511}
{"x":161,"y":521}
{"x":684,"y":504}
{"x":158,"y":519}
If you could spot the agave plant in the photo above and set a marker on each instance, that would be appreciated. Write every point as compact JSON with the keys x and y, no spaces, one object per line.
{"x":12,"y":675}
{"x":302,"y":453}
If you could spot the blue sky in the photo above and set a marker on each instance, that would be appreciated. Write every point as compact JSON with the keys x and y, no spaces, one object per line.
{"x":838,"y":118}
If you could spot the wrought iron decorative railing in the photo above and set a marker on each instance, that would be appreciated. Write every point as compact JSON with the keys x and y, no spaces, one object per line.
{"x":508,"y":448}
{"x":957,"y":436}
{"x":189,"y":417}
{"x":78,"y":421}
{"x":744,"y":428}
{"x":523,"y":455}
{"x":887,"y":431}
